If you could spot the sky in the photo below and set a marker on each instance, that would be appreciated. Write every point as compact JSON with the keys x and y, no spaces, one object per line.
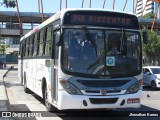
{"x":53,"y":6}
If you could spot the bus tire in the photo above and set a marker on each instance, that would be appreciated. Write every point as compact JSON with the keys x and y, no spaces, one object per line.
{"x":46,"y":100}
{"x":26,"y":90}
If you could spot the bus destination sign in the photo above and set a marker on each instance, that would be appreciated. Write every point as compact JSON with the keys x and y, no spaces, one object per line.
{"x":104,"y":19}
{"x":92,"y":19}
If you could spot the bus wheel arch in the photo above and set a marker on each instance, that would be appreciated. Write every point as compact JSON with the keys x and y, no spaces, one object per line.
{"x":44,"y":84}
{"x":26,"y":89}
{"x":45,"y":95}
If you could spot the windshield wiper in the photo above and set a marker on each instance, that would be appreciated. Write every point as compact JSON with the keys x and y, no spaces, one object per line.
{"x":89,"y":36}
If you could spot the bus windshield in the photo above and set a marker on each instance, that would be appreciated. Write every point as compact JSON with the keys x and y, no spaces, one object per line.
{"x":101,"y":52}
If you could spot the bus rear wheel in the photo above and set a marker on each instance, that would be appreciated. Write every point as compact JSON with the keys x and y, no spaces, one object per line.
{"x":26,"y":90}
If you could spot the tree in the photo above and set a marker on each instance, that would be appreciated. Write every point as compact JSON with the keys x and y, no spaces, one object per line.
{"x":149,"y":15}
{"x":152,"y":48}
{"x":2,"y":48}
{"x":8,"y":3}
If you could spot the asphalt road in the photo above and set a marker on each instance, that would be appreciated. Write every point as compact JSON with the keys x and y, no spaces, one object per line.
{"x":20,"y":101}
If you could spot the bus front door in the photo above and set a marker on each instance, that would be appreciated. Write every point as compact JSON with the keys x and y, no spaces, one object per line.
{"x":54,"y":80}
{"x":20,"y":63}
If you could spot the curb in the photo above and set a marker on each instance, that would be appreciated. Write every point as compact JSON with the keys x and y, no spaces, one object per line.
{"x":7,"y":72}
{"x":7,"y":101}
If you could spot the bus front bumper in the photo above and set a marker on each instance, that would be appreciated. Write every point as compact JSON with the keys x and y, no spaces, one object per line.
{"x":68,"y":101}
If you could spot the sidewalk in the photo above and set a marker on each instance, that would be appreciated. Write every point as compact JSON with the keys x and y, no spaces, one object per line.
{"x":4,"y":103}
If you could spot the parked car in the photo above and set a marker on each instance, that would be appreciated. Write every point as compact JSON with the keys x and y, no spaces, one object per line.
{"x":151,"y":76}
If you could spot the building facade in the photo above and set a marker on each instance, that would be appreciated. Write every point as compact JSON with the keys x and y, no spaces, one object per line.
{"x":151,"y":7}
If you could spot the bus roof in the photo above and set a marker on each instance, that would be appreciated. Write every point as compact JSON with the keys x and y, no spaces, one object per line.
{"x":61,"y":13}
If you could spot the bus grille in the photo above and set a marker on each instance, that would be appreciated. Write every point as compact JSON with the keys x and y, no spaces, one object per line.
{"x":103,"y":100}
{"x":103,"y":83}
{"x":93,"y":91}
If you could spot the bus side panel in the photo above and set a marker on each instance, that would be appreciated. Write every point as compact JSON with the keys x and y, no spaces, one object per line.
{"x":27,"y":73}
{"x":54,"y":79}
{"x":20,"y":63}
{"x":32,"y":72}
{"x":20,"y":70}
{"x":41,"y":74}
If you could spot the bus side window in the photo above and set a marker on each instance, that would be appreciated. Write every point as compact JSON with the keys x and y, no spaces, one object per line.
{"x":48,"y":43}
{"x":23,"y":49}
{"x":31,"y":45}
{"x":35,"y":39}
{"x":20,"y":51}
{"x":26,"y":47}
{"x":41,"y":43}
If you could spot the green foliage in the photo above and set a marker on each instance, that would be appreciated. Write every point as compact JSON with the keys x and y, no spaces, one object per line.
{"x":149,"y":15}
{"x":152,"y":48}
{"x":2,"y":48}
{"x":7,"y":46}
{"x":9,"y":3}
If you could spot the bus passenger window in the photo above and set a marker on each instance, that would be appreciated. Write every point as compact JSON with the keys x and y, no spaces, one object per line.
{"x":41,"y":43}
{"x":26,"y":48}
{"x":35,"y":44}
{"x":48,"y":42}
{"x":31,"y":45}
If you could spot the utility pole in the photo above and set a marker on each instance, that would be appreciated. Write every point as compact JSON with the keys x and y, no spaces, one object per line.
{"x":144,"y":8}
{"x":104,"y":3}
{"x":60,"y":5}
{"x":82,"y":3}
{"x":154,"y":18}
{"x":66,"y":3}
{"x":133,"y":5}
{"x":113,"y":4}
{"x":39,"y":6}
{"x":42,"y":11}
{"x":89,"y":3}
{"x":125,"y":5}
{"x":19,"y":19}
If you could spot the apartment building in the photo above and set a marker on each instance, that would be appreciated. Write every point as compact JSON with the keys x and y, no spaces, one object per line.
{"x":151,"y":7}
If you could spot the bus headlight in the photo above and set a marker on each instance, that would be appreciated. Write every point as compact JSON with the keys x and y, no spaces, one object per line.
{"x":70,"y":88}
{"x":134,"y":88}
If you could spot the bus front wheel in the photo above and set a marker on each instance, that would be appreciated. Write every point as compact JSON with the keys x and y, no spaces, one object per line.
{"x":46,"y":100}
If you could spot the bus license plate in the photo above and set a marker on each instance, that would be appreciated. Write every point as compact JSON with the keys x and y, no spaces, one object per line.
{"x":133,"y":100}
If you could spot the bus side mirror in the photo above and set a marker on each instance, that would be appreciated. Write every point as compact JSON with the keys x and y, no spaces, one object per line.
{"x":58,"y":39}
{"x":145,"y":37}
